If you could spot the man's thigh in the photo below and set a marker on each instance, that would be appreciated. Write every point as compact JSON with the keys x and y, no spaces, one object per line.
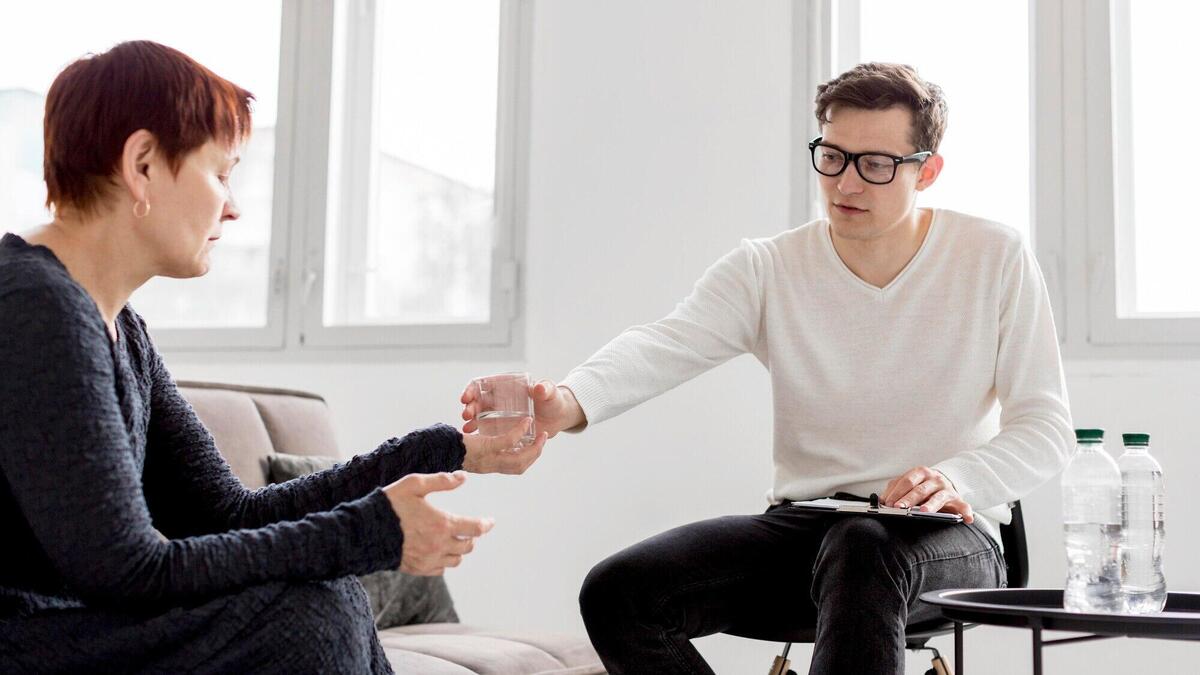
{"x":926,"y":556}
{"x":959,"y":556}
{"x":714,"y":574}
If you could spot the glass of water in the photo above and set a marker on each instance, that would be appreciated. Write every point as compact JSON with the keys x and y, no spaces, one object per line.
{"x":503,"y":403}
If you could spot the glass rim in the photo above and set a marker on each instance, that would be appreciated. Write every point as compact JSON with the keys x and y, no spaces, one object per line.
{"x":502,"y":377}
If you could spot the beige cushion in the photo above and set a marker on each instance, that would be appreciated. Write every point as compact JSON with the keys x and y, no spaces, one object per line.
{"x":238,"y":430}
{"x":404,"y":661}
{"x":495,"y":652}
{"x":297,"y":425}
{"x":248,"y":423}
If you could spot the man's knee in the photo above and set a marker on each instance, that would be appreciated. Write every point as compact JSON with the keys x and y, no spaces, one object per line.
{"x":600,"y":586}
{"x":858,"y":550}
{"x":608,"y":591}
{"x":857,"y":535}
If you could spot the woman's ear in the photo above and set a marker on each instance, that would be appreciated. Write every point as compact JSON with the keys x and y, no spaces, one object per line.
{"x":140,"y":152}
{"x":931,"y":168}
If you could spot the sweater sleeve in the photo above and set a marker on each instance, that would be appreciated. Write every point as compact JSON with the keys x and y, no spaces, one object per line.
{"x":183,"y":460}
{"x":720,"y":319}
{"x":1036,"y":438}
{"x":67,"y":457}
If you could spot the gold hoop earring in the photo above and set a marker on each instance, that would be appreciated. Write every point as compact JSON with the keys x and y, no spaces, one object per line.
{"x":143,"y":214}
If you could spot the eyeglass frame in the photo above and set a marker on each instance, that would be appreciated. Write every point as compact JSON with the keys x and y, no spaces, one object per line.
{"x":852,"y":158}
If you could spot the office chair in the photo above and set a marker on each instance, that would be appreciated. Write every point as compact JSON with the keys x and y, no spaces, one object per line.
{"x":917,"y":635}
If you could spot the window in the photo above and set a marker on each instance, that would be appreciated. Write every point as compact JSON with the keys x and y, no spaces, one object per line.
{"x":987,"y":171}
{"x":234,"y":293}
{"x":1157,"y":237}
{"x":1125,"y":209}
{"x":379,"y":190}
{"x":409,"y":231}
{"x":421,"y":219}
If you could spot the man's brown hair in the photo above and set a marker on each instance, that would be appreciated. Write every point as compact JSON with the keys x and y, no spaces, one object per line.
{"x":878,"y":86}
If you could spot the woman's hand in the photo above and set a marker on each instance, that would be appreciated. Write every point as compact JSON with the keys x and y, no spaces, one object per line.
{"x":502,"y":454}
{"x":554,"y":408}
{"x":927,"y":489}
{"x":433,"y":539}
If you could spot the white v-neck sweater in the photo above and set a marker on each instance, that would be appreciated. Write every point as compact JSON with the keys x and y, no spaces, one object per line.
{"x":953,"y":365}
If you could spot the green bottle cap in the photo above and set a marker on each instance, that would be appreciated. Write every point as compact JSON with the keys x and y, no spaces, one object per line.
{"x":1089,"y":435}
{"x":1136,"y":439}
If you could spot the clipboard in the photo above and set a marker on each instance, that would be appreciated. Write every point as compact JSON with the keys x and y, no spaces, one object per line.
{"x":871,"y":507}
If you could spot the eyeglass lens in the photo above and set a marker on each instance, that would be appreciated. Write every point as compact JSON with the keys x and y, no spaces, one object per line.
{"x":872,"y":168}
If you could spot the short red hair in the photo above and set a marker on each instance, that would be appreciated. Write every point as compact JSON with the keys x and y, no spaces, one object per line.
{"x":98,"y":101}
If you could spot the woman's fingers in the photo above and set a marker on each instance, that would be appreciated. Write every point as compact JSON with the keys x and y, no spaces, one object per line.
{"x":522,"y":458}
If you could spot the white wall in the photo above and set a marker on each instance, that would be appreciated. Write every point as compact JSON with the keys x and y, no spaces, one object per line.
{"x":660,"y":137}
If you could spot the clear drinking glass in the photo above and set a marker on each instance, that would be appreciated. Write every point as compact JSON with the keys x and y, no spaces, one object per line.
{"x":503,"y":402}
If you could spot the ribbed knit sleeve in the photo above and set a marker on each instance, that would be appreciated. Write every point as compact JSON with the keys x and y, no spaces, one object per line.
{"x":719,"y":320}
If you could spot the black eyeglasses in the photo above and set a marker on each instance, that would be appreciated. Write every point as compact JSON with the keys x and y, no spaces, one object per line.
{"x":877,"y":168}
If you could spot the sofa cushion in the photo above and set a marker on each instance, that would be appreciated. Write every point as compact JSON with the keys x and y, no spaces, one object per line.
{"x":241,"y":437}
{"x":404,"y":662}
{"x":495,"y":652}
{"x":397,"y":599}
{"x":297,"y":425}
{"x":400,"y":599}
{"x":282,"y":466}
{"x":249,"y":423}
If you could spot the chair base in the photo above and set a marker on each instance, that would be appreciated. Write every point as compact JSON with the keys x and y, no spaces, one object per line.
{"x":916,"y":638}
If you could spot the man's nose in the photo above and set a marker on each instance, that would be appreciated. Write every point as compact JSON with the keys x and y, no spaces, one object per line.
{"x":850,"y":182}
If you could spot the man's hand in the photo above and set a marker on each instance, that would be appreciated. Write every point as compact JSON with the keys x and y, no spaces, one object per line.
{"x":554,"y":408}
{"x":927,"y":489}
{"x":433,"y":539}
{"x":502,"y":454}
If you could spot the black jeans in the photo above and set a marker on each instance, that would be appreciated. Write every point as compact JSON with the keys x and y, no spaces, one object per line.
{"x":857,"y":579}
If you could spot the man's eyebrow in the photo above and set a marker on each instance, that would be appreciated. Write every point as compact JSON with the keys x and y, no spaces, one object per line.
{"x":864,"y":152}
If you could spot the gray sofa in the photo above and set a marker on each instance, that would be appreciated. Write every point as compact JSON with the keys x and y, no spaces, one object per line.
{"x":249,"y":423}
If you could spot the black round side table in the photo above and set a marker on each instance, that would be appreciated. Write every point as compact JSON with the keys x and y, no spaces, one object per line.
{"x":1042,"y":609}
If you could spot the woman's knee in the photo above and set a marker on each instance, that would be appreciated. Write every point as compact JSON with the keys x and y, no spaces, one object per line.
{"x":315,"y":626}
{"x":333,"y":609}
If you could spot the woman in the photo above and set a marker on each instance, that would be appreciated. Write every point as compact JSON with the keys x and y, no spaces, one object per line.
{"x":130,"y":544}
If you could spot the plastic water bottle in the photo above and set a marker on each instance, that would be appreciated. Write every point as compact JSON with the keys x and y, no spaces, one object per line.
{"x":1091,"y":488}
{"x":1142,"y":534}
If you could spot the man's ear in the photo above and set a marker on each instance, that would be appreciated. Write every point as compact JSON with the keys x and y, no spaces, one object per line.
{"x":137,"y":158}
{"x":931,"y":168}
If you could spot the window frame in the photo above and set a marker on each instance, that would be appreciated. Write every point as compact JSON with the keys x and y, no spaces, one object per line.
{"x":297,"y":253}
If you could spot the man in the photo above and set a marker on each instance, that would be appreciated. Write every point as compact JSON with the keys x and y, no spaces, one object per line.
{"x":912,"y":354}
